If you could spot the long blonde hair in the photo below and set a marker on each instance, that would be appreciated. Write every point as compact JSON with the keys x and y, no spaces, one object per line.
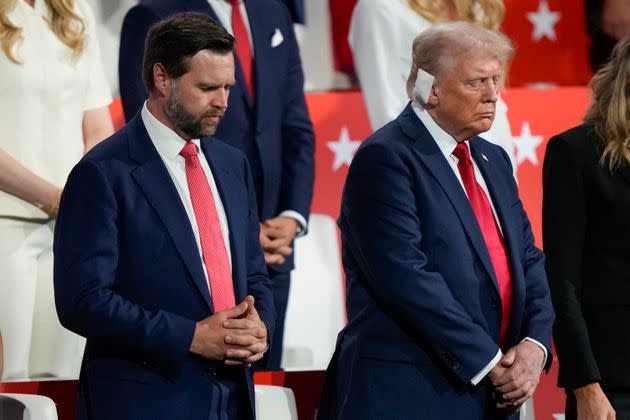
{"x":609,"y":111}
{"x":63,"y":21}
{"x":486,"y":13}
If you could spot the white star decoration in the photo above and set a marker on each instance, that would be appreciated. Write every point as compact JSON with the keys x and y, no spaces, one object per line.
{"x":526,"y":145}
{"x":544,"y":21}
{"x":344,"y":149}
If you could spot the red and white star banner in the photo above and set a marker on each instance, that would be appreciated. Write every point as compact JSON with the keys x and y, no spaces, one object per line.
{"x":550,"y":37}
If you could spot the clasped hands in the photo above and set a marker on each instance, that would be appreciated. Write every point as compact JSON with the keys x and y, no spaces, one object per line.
{"x":276,"y":236}
{"x":236,"y":336}
{"x":516,"y":375}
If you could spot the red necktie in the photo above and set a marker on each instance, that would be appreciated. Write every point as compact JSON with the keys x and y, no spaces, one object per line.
{"x":243,"y":49}
{"x":215,"y":256}
{"x":490,"y":230}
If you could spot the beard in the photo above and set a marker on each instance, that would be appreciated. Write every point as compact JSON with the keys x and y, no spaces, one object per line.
{"x":191,"y":125}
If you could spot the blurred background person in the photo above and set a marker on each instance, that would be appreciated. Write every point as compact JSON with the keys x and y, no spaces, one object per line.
{"x":53,"y":108}
{"x":607,"y":21}
{"x":380,"y":36}
{"x":586,"y":185}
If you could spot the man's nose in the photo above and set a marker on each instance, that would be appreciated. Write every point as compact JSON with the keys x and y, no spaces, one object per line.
{"x":220,"y":98}
{"x":491,"y":91}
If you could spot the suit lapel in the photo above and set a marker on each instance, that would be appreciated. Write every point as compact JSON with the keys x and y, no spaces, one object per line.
{"x":227,"y":184}
{"x":498,"y":190}
{"x":155,"y":182}
{"x":431,"y":155}
{"x":261,"y":47}
{"x":202,"y":6}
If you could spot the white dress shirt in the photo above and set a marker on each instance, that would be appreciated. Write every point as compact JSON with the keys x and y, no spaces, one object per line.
{"x":168,"y":145}
{"x":447,"y":145}
{"x":223,"y":10}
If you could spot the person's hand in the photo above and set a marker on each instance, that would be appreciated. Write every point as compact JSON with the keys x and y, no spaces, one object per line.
{"x":246,"y":338}
{"x":209,"y":337}
{"x":616,"y":18}
{"x":276,"y":236}
{"x":517,"y":384}
{"x":592,"y":403}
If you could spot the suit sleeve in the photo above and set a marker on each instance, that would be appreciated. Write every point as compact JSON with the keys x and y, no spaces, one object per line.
{"x":298,"y":140}
{"x":564,"y":231}
{"x":134,"y":31}
{"x":380,"y":223}
{"x":85,"y":276}
{"x":258,"y":283}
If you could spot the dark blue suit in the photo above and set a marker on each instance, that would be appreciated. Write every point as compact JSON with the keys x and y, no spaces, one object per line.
{"x":422,"y":298}
{"x":128,"y":276}
{"x":276,"y":134}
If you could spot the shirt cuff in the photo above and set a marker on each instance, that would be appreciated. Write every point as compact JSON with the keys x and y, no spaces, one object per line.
{"x":482,"y":374}
{"x":299,"y":218}
{"x":544,"y":349}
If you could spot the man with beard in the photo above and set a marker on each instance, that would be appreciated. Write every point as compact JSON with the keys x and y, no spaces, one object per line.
{"x":157,"y":256}
{"x":267,"y":120}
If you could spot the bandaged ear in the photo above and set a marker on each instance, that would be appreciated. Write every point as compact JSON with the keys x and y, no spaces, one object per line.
{"x":424,"y":83}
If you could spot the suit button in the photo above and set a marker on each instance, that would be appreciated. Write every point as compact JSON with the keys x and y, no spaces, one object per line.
{"x":496,"y":304}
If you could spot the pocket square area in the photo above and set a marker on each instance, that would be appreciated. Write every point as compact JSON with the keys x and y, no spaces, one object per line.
{"x":276,"y":38}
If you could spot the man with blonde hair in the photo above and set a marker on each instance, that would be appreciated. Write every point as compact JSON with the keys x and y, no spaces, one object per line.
{"x":448,"y":306}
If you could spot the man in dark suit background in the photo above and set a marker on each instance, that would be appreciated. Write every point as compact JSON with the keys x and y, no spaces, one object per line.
{"x":448,"y":306}
{"x":157,"y":255}
{"x":267,"y":119}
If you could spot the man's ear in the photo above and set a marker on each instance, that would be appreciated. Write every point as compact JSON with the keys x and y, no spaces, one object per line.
{"x":161,"y":79}
{"x":434,"y":97}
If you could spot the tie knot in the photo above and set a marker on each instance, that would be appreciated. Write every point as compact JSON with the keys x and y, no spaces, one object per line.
{"x":461,"y":152}
{"x":189,"y":150}
{"x":234,"y":3}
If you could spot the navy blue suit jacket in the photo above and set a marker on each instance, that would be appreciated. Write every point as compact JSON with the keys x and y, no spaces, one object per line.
{"x":422,"y":297}
{"x":128,"y":276}
{"x":276,"y":135}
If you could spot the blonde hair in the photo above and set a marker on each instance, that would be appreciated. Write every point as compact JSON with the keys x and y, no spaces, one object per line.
{"x":485,"y":13}
{"x":609,"y":111}
{"x":63,"y":21}
{"x":437,"y":49}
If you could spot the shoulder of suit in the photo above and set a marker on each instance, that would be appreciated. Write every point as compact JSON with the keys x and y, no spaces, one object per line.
{"x":219,"y":146}
{"x":161,"y":8}
{"x":581,"y":137}
{"x":113,"y":147}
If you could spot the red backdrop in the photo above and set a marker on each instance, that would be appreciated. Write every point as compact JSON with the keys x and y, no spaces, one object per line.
{"x":550,"y":38}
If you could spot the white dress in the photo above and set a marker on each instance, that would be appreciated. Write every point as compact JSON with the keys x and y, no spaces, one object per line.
{"x":381,"y":35}
{"x":42,"y":102}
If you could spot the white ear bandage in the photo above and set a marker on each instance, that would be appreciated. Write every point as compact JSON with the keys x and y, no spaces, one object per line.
{"x":424,"y":83}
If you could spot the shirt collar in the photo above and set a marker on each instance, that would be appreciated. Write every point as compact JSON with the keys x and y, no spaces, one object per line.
{"x":445,"y":141}
{"x":168,"y":142}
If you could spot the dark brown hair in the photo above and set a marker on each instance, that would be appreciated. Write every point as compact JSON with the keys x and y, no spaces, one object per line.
{"x":173,"y":41}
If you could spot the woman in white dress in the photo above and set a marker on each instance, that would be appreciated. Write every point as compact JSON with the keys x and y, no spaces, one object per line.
{"x":53,"y":108}
{"x":380,"y":36}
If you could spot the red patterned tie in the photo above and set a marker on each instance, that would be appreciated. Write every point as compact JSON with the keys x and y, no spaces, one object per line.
{"x":215,"y":256}
{"x":243,"y":49}
{"x":490,"y":230}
